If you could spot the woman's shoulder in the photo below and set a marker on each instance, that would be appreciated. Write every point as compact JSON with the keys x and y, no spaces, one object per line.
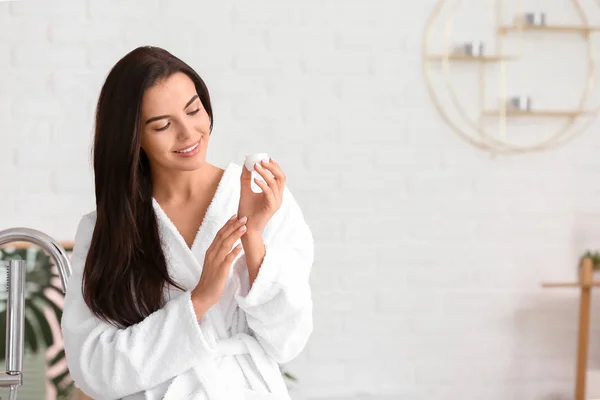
{"x":85,"y":227}
{"x":88,"y":218}
{"x":233,"y":167}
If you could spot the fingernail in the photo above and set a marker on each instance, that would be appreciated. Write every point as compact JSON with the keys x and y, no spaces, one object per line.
{"x":243,"y":219}
{"x":233,"y":217}
{"x":243,"y":228}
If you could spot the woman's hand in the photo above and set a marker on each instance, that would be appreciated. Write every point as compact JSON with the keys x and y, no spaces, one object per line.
{"x":260,"y":207}
{"x":217,"y":263}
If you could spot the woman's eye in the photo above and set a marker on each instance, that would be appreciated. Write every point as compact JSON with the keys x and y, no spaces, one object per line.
{"x":164,"y":127}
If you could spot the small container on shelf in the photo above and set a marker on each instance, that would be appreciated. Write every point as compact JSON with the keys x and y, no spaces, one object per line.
{"x":534,"y":19}
{"x":519,"y":103}
{"x":471,"y":49}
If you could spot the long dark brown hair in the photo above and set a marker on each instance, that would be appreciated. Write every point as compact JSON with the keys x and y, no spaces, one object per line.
{"x":125,"y":272}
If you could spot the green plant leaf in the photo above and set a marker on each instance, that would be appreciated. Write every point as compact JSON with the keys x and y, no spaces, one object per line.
{"x":46,"y":331}
{"x":41,"y":257}
{"x":54,"y":307}
{"x":3,"y":332}
{"x":30,"y":336}
{"x":56,"y":289}
{"x":65,"y":393}
{"x":594,"y":256}
{"x":58,"y":379}
{"x":57,"y":358}
{"x":290,"y":376}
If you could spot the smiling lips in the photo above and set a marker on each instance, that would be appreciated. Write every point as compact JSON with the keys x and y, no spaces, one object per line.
{"x":189,"y":151}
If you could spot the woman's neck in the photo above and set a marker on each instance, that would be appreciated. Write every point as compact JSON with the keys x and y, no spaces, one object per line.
{"x":183,"y":186}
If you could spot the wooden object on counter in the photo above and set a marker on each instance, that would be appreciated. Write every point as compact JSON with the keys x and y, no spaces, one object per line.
{"x":67,"y":244}
{"x":586,"y":283}
{"x":82,"y":396}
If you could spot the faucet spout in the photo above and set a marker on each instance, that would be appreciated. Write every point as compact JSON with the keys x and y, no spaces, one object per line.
{"x":15,"y":318}
{"x":54,"y":249}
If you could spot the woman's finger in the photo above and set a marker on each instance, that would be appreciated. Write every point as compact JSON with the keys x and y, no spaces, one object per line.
{"x":224,"y":265}
{"x":275,"y":169}
{"x":227,"y":243}
{"x":270,"y":179}
{"x":226,"y":227}
{"x":233,"y":227}
{"x":268,"y":192}
{"x":280,"y":177}
{"x":233,"y":254}
{"x":230,"y":226}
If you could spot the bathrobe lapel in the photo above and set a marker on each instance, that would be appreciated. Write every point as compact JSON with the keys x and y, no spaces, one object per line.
{"x":185,"y":263}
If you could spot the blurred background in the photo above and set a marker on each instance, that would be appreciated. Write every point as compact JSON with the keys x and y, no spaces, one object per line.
{"x":430,"y":252}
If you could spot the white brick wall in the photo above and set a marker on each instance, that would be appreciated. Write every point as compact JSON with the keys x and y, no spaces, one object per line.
{"x":429,"y":252}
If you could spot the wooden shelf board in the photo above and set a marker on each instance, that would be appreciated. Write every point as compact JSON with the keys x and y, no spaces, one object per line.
{"x":549,"y":28}
{"x":459,"y":57}
{"x":535,"y":113}
{"x":568,"y":284}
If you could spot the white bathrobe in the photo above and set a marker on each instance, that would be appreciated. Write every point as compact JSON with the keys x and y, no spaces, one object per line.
{"x":233,"y":351}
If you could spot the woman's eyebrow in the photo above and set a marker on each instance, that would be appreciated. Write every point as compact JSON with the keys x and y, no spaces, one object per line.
{"x":194,"y":97}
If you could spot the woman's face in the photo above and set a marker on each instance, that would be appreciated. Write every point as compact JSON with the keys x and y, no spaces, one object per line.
{"x":175,"y":125}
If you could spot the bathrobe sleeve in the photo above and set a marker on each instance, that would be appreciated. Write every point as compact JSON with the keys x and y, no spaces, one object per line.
{"x":278,"y":306}
{"x":110,"y":363}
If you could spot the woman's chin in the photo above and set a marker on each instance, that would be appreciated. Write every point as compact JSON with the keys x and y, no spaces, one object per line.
{"x":188,"y":161}
{"x":189,"y":165}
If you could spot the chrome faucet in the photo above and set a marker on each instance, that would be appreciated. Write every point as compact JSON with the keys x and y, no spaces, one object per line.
{"x":15,"y":317}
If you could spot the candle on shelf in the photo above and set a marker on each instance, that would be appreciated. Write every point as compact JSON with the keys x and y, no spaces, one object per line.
{"x":519,"y":103}
{"x":472,"y":49}
{"x":534,"y":19}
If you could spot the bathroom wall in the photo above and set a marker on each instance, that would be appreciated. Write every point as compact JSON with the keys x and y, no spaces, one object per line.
{"x":429,"y":252}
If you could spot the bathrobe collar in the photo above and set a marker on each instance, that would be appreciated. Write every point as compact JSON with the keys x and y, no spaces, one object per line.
{"x":185,"y":263}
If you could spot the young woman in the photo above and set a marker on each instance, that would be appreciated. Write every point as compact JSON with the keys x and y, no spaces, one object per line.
{"x":161,"y":303}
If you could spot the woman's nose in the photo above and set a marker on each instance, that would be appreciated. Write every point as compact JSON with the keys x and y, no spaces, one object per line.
{"x":185,"y":131}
